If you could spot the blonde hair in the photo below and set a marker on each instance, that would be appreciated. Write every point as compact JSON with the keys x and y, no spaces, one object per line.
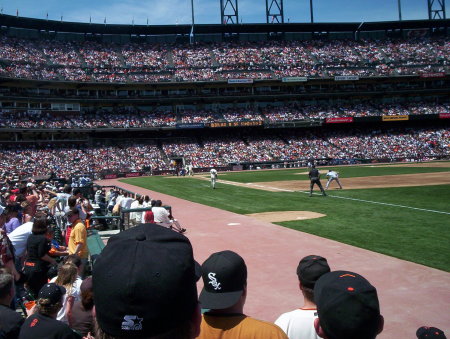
{"x":67,"y":274}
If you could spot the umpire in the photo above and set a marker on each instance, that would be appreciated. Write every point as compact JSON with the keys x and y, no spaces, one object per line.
{"x":314,"y":177}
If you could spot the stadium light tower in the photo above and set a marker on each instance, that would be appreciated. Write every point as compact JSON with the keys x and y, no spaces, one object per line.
{"x":229,"y":11}
{"x":274,"y":11}
{"x":399,"y":10}
{"x":436,"y":9}
{"x":311,"y":10}
{"x":192,"y":36}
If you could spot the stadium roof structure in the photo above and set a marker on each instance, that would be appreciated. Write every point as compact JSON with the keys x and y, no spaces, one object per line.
{"x":97,"y":28}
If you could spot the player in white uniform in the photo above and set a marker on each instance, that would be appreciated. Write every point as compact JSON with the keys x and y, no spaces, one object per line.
{"x":213,"y":173}
{"x":333,"y":175}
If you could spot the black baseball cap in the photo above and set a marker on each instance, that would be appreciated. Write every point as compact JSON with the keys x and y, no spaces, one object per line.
{"x":144,"y":282}
{"x":224,"y":277}
{"x":347,"y":305}
{"x":52,"y":292}
{"x":426,"y":332}
{"x":311,"y":268}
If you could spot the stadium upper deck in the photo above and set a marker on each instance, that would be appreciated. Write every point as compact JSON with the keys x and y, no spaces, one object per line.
{"x":35,"y":49}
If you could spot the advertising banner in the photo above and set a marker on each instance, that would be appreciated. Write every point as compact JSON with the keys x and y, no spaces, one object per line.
{"x":395,"y":117}
{"x":111,"y":176}
{"x":294,"y":79}
{"x":342,"y":120}
{"x":346,"y":78}
{"x":133,"y":174}
{"x":240,"y":81}
{"x":433,"y":75}
{"x":444,"y":116}
{"x":199,"y":125}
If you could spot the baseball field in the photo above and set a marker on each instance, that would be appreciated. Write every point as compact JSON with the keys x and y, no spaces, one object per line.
{"x":401,"y":210}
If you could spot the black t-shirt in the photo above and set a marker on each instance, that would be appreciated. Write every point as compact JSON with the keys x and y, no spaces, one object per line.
{"x":314,"y":174}
{"x":37,"y":246}
{"x":41,"y":326}
{"x":10,"y":322}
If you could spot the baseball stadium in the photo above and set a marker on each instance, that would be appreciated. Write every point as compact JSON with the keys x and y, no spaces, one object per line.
{"x":275,"y":140}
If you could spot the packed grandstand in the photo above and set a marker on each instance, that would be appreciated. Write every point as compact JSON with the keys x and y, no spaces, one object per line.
{"x":80,"y":103}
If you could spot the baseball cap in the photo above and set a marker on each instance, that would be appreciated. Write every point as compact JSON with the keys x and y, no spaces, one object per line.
{"x":144,"y":282}
{"x":311,"y":268}
{"x":224,"y":278}
{"x":426,"y":332}
{"x":52,"y":291}
{"x":347,"y":305}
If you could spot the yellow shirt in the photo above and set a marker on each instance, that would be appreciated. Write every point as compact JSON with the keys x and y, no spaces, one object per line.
{"x":78,"y":236}
{"x":238,"y":326}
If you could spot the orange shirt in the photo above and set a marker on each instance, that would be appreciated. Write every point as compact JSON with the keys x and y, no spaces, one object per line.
{"x":238,"y":326}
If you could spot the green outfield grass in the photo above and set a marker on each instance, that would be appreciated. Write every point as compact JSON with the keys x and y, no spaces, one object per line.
{"x":415,"y":235}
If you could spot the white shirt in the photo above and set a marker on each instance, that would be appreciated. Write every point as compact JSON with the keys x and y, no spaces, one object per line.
{"x":213,"y":173}
{"x":332,"y":174}
{"x":19,"y":238}
{"x":298,"y":324}
{"x":161,"y":214}
{"x":75,"y":292}
{"x":126,"y":202}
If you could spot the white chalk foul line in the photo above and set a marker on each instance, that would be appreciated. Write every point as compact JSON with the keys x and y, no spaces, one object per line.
{"x":337,"y":197}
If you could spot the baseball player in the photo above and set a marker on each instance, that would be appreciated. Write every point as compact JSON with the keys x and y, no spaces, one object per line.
{"x":333,"y":175}
{"x":213,"y":173}
{"x":314,"y":177}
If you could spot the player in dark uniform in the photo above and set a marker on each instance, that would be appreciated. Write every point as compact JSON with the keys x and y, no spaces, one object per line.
{"x":314,"y":177}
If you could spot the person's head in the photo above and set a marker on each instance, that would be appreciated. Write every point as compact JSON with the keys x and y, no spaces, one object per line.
{"x":7,"y":291}
{"x":40,"y":225}
{"x":224,"y":277}
{"x":125,"y":194}
{"x":75,"y":260}
{"x":144,"y":285}
{"x":2,"y":215}
{"x":146,"y":198}
{"x":309,"y":270}
{"x":329,"y":170}
{"x":87,"y":294}
{"x":158,"y":203}
{"x":49,"y":300}
{"x":72,"y":201}
{"x":12,"y":211}
{"x":426,"y":332}
{"x":313,"y":166}
{"x":76,"y":193}
{"x":347,"y":307}
{"x":73,"y":215}
{"x":67,"y":189}
{"x":67,"y":274}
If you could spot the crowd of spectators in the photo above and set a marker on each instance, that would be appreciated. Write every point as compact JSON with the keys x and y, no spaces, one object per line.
{"x":134,"y":118}
{"x":221,"y":151}
{"x":110,"y":62}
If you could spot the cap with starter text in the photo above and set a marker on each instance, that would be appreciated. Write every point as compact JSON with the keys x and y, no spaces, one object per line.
{"x":224,"y":277}
{"x":144,"y":282}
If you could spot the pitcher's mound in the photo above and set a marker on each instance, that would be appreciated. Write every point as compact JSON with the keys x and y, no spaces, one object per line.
{"x":286,"y":216}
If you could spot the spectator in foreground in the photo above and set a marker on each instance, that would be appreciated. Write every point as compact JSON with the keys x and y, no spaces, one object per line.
{"x":348,"y":307}
{"x":299,"y":324}
{"x":43,"y":323}
{"x":426,"y":332}
{"x":10,"y":321}
{"x":224,"y":293}
{"x":144,"y":285}
{"x":81,"y":319}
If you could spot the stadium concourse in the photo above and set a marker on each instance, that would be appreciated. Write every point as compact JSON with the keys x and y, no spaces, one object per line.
{"x":405,"y":289}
